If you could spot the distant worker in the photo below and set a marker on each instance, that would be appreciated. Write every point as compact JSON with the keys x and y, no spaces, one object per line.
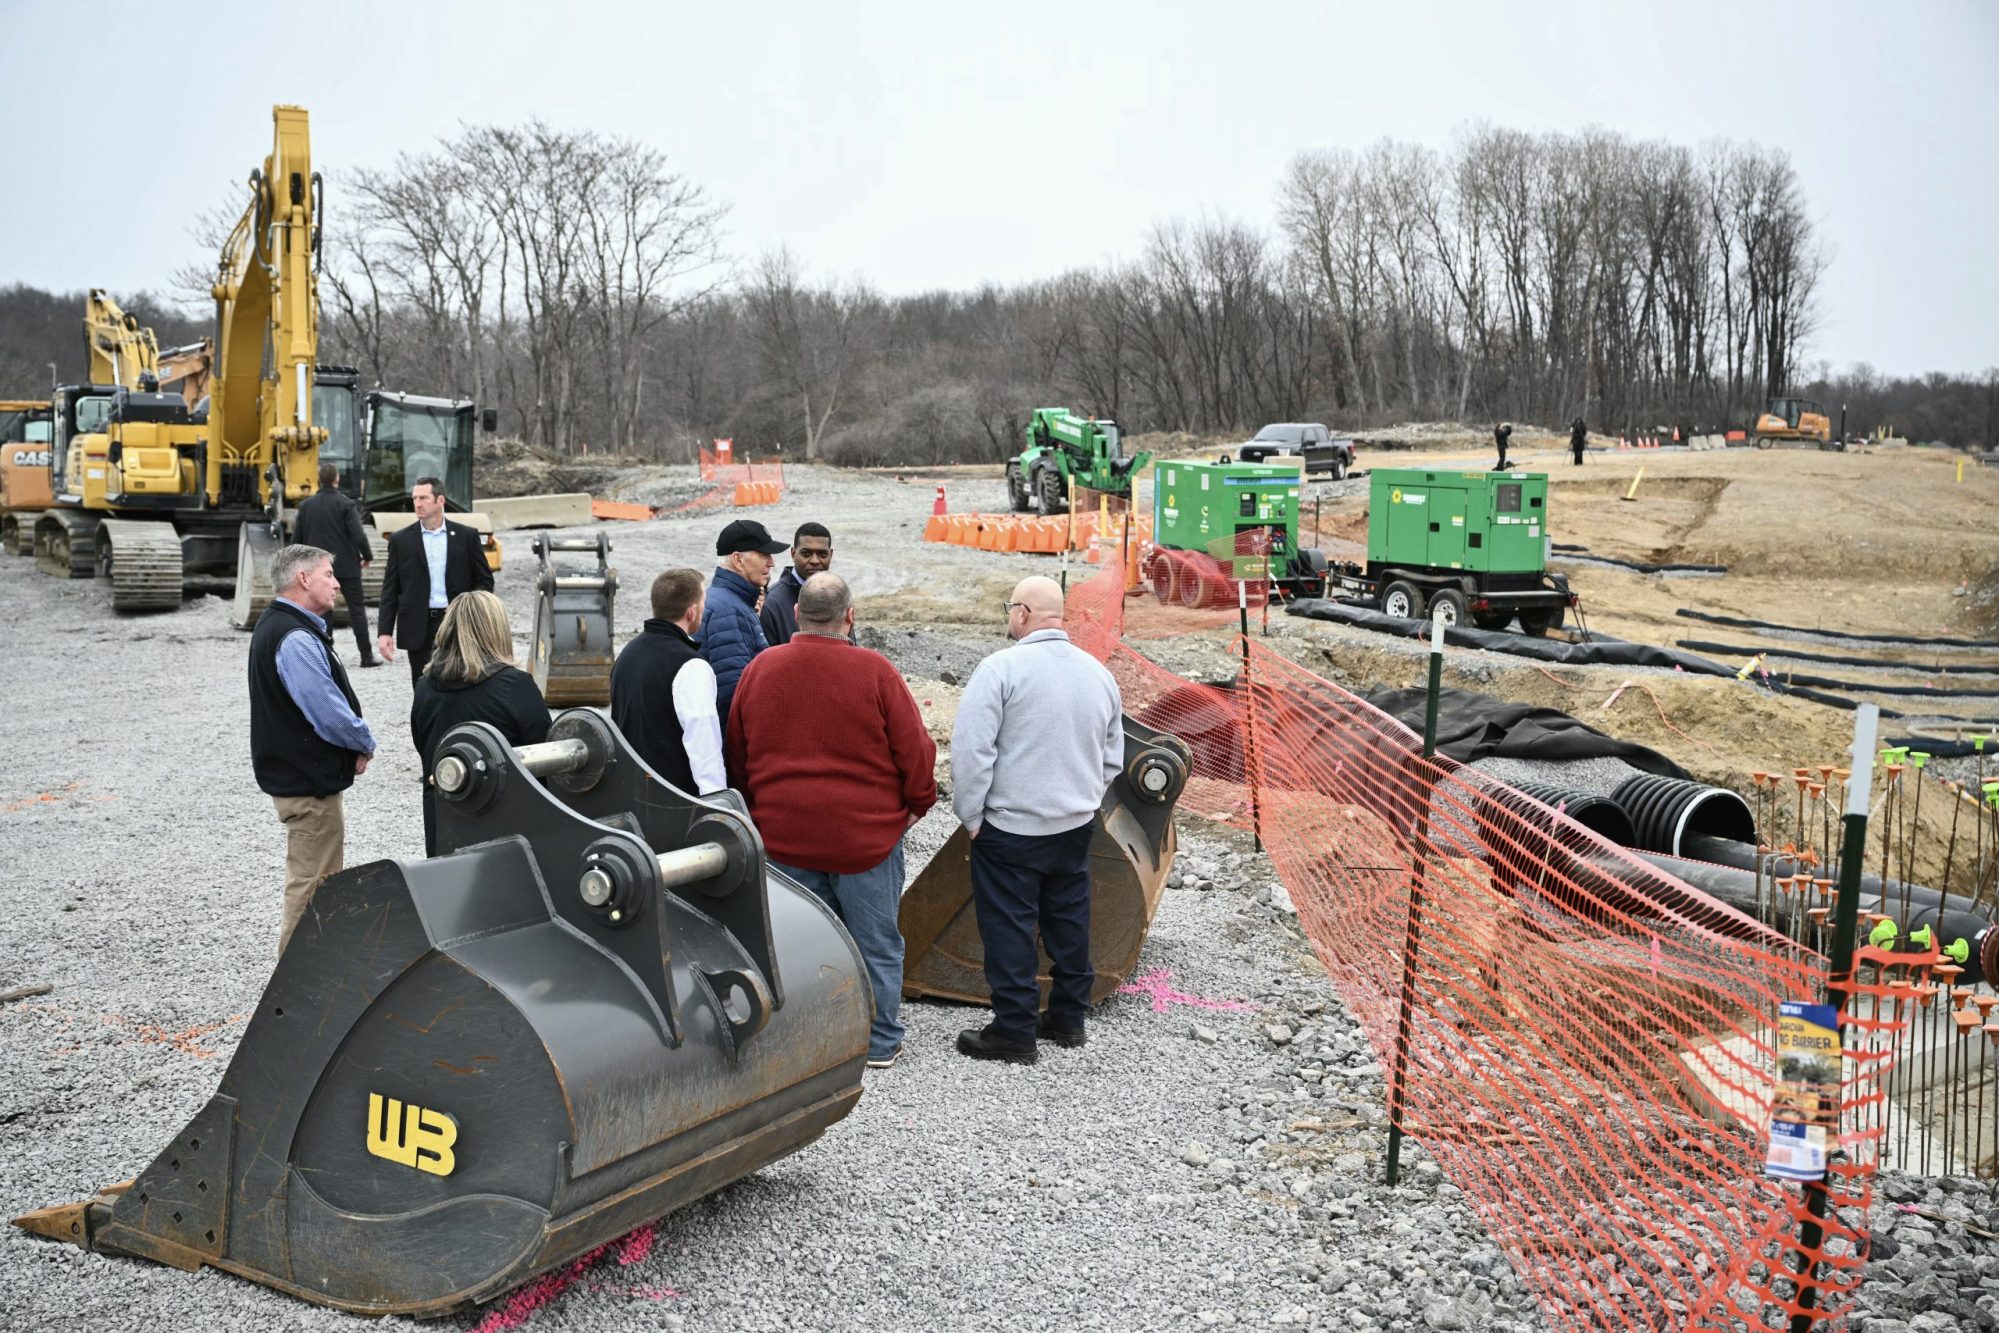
{"x":730,"y":632}
{"x":1578,"y":439}
{"x":663,"y":690}
{"x":332,"y":522}
{"x":1500,"y":436}
{"x":811,"y":553}
{"x":308,"y":741}
{"x":1039,"y":737}
{"x":837,"y":764}
{"x":430,"y":562}
{"x":471,"y":677}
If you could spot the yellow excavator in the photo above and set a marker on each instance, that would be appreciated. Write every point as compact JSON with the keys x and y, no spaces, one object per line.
{"x":145,"y":489}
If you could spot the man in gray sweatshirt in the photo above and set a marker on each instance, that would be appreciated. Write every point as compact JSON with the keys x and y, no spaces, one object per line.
{"x":1039,"y":736}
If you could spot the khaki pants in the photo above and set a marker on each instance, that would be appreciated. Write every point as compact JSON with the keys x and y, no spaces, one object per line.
{"x":315,"y":839}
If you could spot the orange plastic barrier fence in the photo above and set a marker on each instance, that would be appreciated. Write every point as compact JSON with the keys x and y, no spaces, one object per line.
{"x":1587,"y":1045}
{"x":1026,"y":532}
{"x":757,"y":492}
{"x":713,"y":468}
{"x":612,"y":509}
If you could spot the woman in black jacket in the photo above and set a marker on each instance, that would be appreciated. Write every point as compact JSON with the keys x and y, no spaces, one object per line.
{"x":472,"y":678}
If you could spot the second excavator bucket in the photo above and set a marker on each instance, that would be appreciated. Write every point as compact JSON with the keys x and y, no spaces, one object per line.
{"x":594,"y":1006}
{"x":572,"y":624}
{"x":1130,"y":854}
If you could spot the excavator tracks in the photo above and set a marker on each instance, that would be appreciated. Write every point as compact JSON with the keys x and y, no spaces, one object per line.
{"x":66,"y":544}
{"x":144,"y":561}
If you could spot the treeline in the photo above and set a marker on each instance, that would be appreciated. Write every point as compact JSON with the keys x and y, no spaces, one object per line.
{"x":581,"y":286}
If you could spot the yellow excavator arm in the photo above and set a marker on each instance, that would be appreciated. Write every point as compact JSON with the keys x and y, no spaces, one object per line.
{"x":120,"y":349}
{"x":267,"y":324}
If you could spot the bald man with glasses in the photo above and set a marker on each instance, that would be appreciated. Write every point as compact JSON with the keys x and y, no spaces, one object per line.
{"x":1039,"y":736}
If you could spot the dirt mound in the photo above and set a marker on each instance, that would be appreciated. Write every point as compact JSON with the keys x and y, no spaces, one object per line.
{"x":504,"y":468}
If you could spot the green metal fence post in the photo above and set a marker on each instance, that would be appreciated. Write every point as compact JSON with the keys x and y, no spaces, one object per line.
{"x":1413,"y":940}
{"x":1839,"y":978}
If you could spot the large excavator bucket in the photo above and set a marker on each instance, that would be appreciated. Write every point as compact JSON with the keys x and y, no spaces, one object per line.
{"x":1130,"y":853}
{"x":593,"y":1007}
{"x":572,"y":624}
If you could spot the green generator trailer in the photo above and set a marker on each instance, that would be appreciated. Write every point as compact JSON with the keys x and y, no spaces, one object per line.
{"x":1463,"y":546}
{"x":1215,"y":523}
{"x":1457,"y":546}
{"x":1063,"y":451}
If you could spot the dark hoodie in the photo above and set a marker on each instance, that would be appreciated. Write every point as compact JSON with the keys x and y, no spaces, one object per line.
{"x":506,"y":698}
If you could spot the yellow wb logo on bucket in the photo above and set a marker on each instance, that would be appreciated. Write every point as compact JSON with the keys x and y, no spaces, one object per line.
{"x":413,"y":1135}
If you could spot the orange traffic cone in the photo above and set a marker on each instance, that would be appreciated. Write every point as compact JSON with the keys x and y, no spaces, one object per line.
{"x":938,"y":507}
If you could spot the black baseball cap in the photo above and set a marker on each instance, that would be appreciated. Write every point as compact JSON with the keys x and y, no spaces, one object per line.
{"x":746,"y":534}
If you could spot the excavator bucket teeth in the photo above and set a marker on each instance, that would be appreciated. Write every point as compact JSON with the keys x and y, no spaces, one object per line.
{"x":596,"y":1004}
{"x":1130,"y":853}
{"x":572,"y":624}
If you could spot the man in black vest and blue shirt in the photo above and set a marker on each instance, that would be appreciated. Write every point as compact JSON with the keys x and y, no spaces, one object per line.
{"x":663,"y":690}
{"x":307,"y":740}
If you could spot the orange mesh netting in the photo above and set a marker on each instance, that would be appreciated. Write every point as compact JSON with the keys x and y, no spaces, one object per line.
{"x":1588,"y":1045}
{"x":718,"y":466}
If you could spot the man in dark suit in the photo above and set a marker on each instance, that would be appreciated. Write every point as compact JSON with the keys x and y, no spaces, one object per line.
{"x":430,"y":562}
{"x":332,"y":522}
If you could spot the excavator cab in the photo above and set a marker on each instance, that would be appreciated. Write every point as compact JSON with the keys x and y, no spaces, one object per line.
{"x":410,"y":437}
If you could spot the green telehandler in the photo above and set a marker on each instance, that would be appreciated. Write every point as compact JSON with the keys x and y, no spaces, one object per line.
{"x":1065,"y":450}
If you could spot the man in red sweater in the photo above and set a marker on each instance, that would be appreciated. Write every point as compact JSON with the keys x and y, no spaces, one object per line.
{"x":829,"y":745}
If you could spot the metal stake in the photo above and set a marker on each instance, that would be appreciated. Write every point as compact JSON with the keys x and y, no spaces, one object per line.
{"x":1413,"y":941}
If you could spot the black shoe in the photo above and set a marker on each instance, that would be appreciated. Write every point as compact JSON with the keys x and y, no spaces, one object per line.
{"x":371,"y":661}
{"x":1061,"y":1036}
{"x":987,"y":1044}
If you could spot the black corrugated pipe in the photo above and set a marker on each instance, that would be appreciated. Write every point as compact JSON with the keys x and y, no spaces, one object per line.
{"x":1524,"y":841}
{"x":1727,"y":852}
{"x":1665,"y":811}
{"x":1599,"y":814}
{"x":1952,"y":917}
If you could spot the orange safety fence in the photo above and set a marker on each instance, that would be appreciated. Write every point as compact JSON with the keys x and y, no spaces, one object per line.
{"x":723,"y":467}
{"x":1585,"y":1044}
{"x":1028,"y":532}
{"x":756,"y":493}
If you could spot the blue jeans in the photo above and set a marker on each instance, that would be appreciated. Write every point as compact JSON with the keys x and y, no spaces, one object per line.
{"x":867,"y":904}
{"x":1025,"y":885}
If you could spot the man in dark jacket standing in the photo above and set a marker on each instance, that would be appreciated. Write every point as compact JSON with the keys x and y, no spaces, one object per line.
{"x":430,"y":562}
{"x":1502,"y":434}
{"x":1578,"y":439}
{"x":307,"y":740}
{"x":730,"y":632}
{"x":663,"y":691}
{"x":332,"y":522}
{"x":811,"y":553}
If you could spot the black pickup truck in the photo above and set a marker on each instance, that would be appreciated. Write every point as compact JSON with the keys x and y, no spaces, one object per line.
{"x":1310,"y":440}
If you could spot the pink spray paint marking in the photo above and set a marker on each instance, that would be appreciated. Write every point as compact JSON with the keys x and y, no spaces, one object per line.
{"x":521,"y":1305}
{"x":1156,"y":984}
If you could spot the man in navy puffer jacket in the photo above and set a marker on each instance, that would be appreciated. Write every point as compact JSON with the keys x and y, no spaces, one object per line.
{"x":730,"y":634}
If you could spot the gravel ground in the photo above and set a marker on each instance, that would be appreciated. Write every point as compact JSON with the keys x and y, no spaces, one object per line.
{"x":1212,"y":1158}
{"x":1184,"y":1170}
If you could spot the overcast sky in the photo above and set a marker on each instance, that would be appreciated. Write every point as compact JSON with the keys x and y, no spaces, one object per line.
{"x":940,"y":145}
